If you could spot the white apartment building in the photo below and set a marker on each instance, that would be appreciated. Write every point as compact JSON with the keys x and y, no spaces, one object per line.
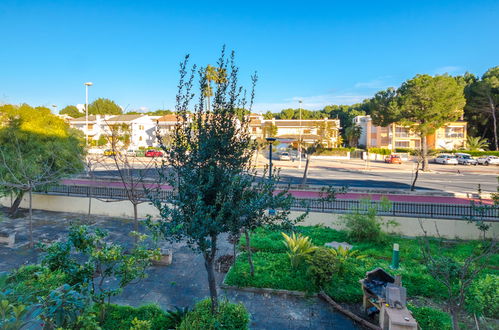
{"x":142,"y":127}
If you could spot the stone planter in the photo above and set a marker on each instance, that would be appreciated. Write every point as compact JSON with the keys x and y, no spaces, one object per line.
{"x":165,"y":259}
{"x":8,"y":238}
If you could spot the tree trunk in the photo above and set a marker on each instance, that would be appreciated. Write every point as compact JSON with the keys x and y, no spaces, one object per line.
{"x":135,"y":217}
{"x":248,"y":249}
{"x":208,"y":263}
{"x":455,"y":320}
{"x":15,"y":206}
{"x":30,"y":218}
{"x":424,"y":153}
{"x":415,"y":176}
{"x":494,"y":121}
{"x":305,"y":173}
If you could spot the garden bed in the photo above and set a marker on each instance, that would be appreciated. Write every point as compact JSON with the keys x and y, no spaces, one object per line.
{"x":273,"y":269}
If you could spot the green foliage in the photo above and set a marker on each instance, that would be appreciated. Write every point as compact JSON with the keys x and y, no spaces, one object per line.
{"x":476,"y":143}
{"x":483,"y":296}
{"x":62,"y":307}
{"x":71,"y":111}
{"x":13,"y":316}
{"x":96,"y":260}
{"x":229,"y":316}
{"x":299,"y":247}
{"x":380,"y":151}
{"x":333,"y":151}
{"x":175,"y":316}
{"x":121,"y":317}
{"x":322,"y":265}
{"x":364,"y":224}
{"x":384,"y":107}
{"x":140,"y":324}
{"x":37,"y":148}
{"x":103,"y":106}
{"x":429,"y":318}
{"x":344,"y":256}
{"x":272,"y":270}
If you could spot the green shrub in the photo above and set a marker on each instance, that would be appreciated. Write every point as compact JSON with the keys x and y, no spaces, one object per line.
{"x":120,"y":317}
{"x":299,"y":247}
{"x":272,"y":270}
{"x":430,"y":318}
{"x":364,"y":225}
{"x":229,"y":316}
{"x":333,"y":151}
{"x":483,"y":296}
{"x":322,"y":265}
{"x":379,"y":151}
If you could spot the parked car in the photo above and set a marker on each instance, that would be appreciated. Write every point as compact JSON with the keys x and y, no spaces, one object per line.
{"x":465,"y":159}
{"x":131,"y":152}
{"x":446,"y":159}
{"x":488,"y":160}
{"x":109,"y":152}
{"x":153,"y":153}
{"x":284,"y":156}
{"x":393,"y":159}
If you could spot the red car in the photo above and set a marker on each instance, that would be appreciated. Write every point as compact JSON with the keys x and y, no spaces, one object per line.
{"x":153,"y":153}
{"x":393,"y":159}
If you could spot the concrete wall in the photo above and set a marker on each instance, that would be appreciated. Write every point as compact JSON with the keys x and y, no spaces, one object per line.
{"x":407,"y":226}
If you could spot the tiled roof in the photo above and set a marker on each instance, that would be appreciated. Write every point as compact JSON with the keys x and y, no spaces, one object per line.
{"x":170,"y":118}
{"x":90,"y":118}
{"x":124,"y":118}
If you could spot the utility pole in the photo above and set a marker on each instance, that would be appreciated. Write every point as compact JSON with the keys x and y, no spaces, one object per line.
{"x":299,"y":140}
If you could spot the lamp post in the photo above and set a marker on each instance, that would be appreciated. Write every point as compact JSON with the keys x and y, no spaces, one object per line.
{"x":299,"y":141}
{"x":87,"y":84}
{"x":270,"y":140}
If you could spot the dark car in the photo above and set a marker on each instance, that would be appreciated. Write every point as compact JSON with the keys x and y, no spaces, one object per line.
{"x":153,"y":153}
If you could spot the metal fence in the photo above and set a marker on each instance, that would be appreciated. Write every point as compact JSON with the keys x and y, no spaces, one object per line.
{"x":409,"y":209}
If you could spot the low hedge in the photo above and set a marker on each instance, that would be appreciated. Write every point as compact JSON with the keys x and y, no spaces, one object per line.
{"x":379,"y":151}
{"x":230,"y":316}
{"x":430,"y":318}
{"x":333,"y":151}
{"x":120,"y":317}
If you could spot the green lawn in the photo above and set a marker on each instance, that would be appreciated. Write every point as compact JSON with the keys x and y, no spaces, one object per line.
{"x":273,"y":270}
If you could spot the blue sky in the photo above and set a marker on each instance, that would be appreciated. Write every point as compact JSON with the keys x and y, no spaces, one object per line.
{"x":323,"y":52}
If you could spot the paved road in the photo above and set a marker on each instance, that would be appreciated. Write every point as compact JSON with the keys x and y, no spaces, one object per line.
{"x":356,"y":173}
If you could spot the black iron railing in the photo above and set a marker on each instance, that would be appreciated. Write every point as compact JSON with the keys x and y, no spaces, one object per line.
{"x":409,"y":209}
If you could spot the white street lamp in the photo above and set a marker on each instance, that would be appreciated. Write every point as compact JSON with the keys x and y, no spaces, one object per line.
{"x":87,"y":84}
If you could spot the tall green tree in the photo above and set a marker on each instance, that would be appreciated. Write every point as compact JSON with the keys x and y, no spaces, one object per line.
{"x":353,"y":134}
{"x":384,"y":107}
{"x":36,"y":149}
{"x":427,"y":103}
{"x":207,"y":163}
{"x":103,"y":106}
{"x":71,"y":111}
{"x":482,"y":104}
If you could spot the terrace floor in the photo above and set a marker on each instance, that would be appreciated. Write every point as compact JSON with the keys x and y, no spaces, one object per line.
{"x":180,"y":284}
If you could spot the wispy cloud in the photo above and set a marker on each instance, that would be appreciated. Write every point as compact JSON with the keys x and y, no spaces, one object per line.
{"x":448,"y":69}
{"x":373,"y":84}
{"x":315,"y":102}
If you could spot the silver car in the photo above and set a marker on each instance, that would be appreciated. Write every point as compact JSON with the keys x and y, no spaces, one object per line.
{"x":446,"y":159}
{"x":488,"y":160}
{"x":466,"y":159}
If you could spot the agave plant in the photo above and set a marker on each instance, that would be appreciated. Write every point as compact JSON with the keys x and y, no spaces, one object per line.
{"x":299,"y":247}
{"x":343,"y":255}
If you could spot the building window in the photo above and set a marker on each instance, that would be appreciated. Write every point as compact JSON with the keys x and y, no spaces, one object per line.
{"x":401,"y":132}
{"x":401,"y":144}
{"x":254,"y":129}
{"x":141,"y":127}
{"x":454,"y":132}
{"x":307,"y":131}
{"x":90,"y":127}
{"x":140,"y":138}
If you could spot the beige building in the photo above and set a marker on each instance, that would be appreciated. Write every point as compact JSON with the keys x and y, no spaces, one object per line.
{"x":309,"y":130}
{"x":451,"y":136}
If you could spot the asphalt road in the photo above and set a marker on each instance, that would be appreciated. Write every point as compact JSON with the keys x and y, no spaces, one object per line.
{"x":375,"y":174}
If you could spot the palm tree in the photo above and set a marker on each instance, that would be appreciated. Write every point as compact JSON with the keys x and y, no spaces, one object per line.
{"x":353,"y":133}
{"x":476,"y":143}
{"x":216,"y":75}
